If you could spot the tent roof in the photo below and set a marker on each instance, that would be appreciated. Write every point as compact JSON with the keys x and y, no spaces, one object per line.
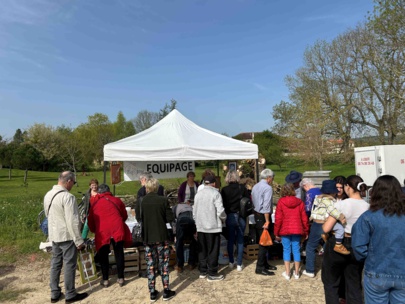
{"x":177,"y":138}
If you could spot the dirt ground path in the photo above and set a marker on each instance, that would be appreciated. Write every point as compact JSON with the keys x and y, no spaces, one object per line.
{"x":238,"y":287}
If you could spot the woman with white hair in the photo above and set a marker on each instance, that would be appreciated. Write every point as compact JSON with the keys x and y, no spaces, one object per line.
{"x":235,"y":224}
{"x":155,"y":212}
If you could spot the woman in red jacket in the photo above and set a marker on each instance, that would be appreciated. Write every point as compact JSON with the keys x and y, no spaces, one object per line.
{"x":291,"y":224}
{"x":106,"y":219}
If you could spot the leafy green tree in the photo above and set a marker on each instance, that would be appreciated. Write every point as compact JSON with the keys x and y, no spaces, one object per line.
{"x":167,"y":109}
{"x":26,"y":157}
{"x":271,"y":147}
{"x":122,"y":127}
{"x":71,"y":149}
{"x":93,"y":135}
{"x":18,"y":137}
{"x":45,"y":139}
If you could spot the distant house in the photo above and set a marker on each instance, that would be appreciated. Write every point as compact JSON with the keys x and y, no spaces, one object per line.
{"x":246,"y":136}
{"x":335,"y":145}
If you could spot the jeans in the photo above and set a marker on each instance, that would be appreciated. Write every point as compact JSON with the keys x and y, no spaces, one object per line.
{"x":208,"y":252}
{"x":335,"y":266}
{"x":185,"y":229}
{"x":313,"y":242}
{"x":236,"y":229}
{"x":339,"y":231}
{"x":119,"y":259}
{"x":383,"y":289}
{"x":293,"y":241}
{"x":63,"y":253}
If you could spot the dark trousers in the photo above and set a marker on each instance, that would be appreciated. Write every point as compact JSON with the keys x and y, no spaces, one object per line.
{"x":263,"y":250}
{"x":185,"y":230}
{"x":336,"y":266}
{"x":208,"y":252}
{"x":119,"y":259}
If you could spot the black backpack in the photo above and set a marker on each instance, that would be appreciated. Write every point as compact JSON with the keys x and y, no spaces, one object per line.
{"x":246,"y":206}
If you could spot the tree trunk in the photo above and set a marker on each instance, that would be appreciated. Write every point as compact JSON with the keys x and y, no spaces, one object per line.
{"x":25,"y":176}
{"x":9,"y":173}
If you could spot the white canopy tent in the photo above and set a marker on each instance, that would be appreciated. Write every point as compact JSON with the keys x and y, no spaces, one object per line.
{"x":177,"y":138}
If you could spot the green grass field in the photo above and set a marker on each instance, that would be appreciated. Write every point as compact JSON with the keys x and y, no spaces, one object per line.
{"x":21,"y":203}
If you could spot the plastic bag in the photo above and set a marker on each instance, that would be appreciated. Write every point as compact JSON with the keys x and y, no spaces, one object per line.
{"x":265,"y":238}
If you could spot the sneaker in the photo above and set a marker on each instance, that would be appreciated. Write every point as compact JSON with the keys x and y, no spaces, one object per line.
{"x":296,"y":275}
{"x":104,"y":283}
{"x":168,"y":294}
{"x":203,"y":275}
{"x":78,"y":297}
{"x":286,"y":276}
{"x":121,"y":282}
{"x":154,"y":296}
{"x":308,"y":274}
{"x":215,"y":278}
{"x":340,"y":248}
{"x":325,"y":237}
{"x":239,"y":268}
{"x":231,"y":265}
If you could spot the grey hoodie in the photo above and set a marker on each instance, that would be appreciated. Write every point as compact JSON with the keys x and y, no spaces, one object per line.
{"x":208,"y":210}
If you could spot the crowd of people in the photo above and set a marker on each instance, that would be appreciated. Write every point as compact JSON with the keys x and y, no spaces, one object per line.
{"x":354,"y":234}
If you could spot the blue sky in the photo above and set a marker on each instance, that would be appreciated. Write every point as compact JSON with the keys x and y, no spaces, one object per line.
{"x":224,"y":61}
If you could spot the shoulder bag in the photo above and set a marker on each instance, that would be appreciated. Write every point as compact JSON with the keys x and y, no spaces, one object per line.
{"x":44,"y":223}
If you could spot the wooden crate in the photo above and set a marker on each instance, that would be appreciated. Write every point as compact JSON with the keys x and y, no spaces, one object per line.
{"x":131,"y":257}
{"x":250,"y":252}
{"x":142,"y":264}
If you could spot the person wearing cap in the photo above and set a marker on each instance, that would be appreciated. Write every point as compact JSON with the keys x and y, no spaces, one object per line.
{"x":323,"y":207}
{"x":262,"y":198}
{"x":295,"y":178}
{"x":209,"y":214}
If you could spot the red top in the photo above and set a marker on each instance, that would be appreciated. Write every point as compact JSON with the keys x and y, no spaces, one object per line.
{"x":291,"y":217}
{"x":107,"y":218}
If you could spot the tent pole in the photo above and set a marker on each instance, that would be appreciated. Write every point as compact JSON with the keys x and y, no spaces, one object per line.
{"x":257,"y":170}
{"x":105,"y":172}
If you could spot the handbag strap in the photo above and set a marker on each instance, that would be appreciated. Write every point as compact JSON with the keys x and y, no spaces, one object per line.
{"x":49,"y":207}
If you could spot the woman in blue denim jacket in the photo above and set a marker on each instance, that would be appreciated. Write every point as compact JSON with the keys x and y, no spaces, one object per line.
{"x":378,"y":239}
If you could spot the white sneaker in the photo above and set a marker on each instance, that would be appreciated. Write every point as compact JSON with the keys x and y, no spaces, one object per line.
{"x":231,"y":265}
{"x":286,"y":276}
{"x":296,"y":275}
{"x":239,"y":268}
{"x":203,"y":275}
{"x":308,"y":274}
